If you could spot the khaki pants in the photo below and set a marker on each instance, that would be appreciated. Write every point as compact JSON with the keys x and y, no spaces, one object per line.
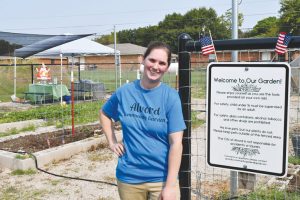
{"x":144,"y":191}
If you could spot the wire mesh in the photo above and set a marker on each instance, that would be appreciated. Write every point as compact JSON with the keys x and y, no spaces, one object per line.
{"x":94,"y":82}
{"x":215,"y":183}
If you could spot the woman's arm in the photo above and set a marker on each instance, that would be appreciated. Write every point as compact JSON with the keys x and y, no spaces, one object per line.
{"x":174,"y":160}
{"x":107,"y":127}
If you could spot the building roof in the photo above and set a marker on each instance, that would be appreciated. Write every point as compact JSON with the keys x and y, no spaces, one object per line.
{"x":23,"y":39}
{"x":129,"y":49}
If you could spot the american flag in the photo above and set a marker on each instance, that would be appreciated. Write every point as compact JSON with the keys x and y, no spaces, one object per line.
{"x":207,"y":46}
{"x":282,"y":43}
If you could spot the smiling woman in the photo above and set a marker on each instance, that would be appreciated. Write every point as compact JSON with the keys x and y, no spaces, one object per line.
{"x":151,"y":116}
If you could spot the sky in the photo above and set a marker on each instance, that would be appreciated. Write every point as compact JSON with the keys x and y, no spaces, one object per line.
{"x":99,"y":17}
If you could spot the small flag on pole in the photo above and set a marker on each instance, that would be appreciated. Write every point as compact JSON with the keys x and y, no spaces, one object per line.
{"x":207,"y":46}
{"x":282,"y":43}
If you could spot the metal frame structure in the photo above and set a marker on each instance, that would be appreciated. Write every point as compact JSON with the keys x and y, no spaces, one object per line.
{"x":186,"y":46}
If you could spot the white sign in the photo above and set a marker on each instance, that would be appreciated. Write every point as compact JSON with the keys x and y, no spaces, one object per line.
{"x":247,"y":116}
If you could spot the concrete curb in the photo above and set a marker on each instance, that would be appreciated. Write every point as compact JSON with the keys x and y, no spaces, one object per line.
{"x":8,"y":160}
{"x":19,"y":125}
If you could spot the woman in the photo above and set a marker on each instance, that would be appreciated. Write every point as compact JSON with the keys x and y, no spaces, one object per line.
{"x":152,"y":124}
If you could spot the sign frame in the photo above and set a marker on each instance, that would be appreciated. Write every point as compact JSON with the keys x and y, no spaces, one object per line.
{"x":235,"y":65}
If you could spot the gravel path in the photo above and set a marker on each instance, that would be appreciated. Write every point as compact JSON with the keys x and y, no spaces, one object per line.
{"x":97,"y":165}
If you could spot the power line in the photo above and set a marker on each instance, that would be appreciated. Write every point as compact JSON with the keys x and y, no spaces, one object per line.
{"x":127,"y":23}
{"x":129,"y":12}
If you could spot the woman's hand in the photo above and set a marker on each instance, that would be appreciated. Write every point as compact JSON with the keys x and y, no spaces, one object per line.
{"x":168,"y":193}
{"x":117,"y":148}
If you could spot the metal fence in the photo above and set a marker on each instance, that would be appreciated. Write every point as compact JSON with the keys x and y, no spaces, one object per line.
{"x":200,"y":181}
{"x":93,"y":84}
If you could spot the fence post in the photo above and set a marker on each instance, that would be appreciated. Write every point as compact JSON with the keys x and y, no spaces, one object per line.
{"x":185,"y":96}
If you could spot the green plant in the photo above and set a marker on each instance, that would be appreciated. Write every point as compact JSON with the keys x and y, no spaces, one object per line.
{"x":14,"y":131}
{"x":195,"y":121}
{"x":23,"y":156}
{"x":30,"y":127}
{"x":294,"y":160}
{"x":14,"y":193}
{"x":19,"y":172}
{"x":270,"y":194}
{"x":85,"y":112}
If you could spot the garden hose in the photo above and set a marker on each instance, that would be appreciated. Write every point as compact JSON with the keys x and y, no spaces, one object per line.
{"x":58,"y":175}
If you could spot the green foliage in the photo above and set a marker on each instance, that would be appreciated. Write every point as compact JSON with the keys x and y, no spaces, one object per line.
{"x":195,"y":121}
{"x":227,"y":18}
{"x":294,"y":160}
{"x":6,"y":48}
{"x":23,"y":156}
{"x":270,"y":194}
{"x":173,"y":25}
{"x":267,"y":27}
{"x":19,"y":192}
{"x":14,"y":131}
{"x":30,"y":127}
{"x":171,"y":21}
{"x":84,"y":112}
{"x":106,"y":39}
{"x":19,"y":172}
{"x":290,"y":16}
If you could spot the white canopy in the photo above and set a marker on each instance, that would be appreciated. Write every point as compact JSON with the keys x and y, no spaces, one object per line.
{"x":78,"y":47}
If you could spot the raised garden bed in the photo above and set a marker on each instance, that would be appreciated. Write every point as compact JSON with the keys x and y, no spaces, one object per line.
{"x":49,"y":147}
{"x":35,"y":143}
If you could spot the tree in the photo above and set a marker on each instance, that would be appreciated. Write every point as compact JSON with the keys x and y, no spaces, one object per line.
{"x":6,"y":48}
{"x":267,"y":27}
{"x":172,"y":26}
{"x":172,"y":21}
{"x":106,"y":39}
{"x":290,"y":16}
{"x":207,"y":19}
{"x":227,"y":18}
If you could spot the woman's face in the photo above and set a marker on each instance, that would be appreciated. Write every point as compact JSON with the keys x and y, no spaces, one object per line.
{"x":155,"y":65}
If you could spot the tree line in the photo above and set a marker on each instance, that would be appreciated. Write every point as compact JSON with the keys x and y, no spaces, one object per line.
{"x":199,"y":20}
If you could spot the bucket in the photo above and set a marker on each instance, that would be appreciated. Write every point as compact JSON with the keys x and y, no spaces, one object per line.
{"x":67,"y":99}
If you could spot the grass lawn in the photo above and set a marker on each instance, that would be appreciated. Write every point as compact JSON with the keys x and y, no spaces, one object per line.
{"x":106,"y":76}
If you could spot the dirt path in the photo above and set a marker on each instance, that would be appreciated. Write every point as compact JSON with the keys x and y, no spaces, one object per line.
{"x":100,"y":165}
{"x":96,"y":165}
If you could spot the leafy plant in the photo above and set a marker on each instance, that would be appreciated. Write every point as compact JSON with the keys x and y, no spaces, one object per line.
{"x":23,"y":157}
{"x":270,"y":194}
{"x":84,"y":112}
{"x":14,"y":131}
{"x":19,"y":172}
{"x":294,"y":160}
{"x":195,"y":121}
{"x":30,"y":127}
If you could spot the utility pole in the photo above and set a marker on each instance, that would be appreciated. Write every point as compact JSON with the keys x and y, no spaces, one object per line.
{"x":234,"y":58}
{"x":115,"y":52}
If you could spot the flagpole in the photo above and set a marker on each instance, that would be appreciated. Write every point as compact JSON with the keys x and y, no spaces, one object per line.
{"x":273,"y":57}
{"x":213,"y":45}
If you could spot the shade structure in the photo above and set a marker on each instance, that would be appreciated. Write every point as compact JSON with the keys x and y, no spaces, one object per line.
{"x":42,"y":45}
{"x":48,"y":43}
{"x":78,"y":47}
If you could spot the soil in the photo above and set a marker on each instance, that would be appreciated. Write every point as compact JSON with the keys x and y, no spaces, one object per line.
{"x":35,"y":143}
{"x":294,"y":184}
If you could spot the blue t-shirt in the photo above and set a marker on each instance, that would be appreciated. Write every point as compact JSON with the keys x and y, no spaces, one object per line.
{"x":147,"y":118}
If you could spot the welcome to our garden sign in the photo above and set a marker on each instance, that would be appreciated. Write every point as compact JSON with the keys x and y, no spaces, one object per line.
{"x":247,"y":116}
